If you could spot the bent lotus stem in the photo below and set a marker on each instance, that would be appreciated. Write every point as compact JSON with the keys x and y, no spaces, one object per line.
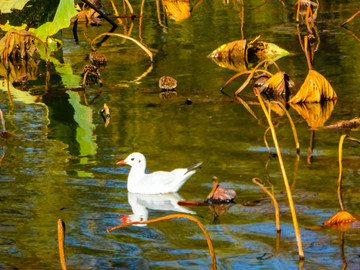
{"x":126,"y":37}
{"x":129,"y":6}
{"x":211,"y":248}
{"x":286,"y":182}
{"x":61,"y":241}
{"x":253,"y":72}
{"x":276,"y":206}
{"x":297,"y":144}
{"x":306,"y":47}
{"x":341,"y":142}
{"x":351,"y":18}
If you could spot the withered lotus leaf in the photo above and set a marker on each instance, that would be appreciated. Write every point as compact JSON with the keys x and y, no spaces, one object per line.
{"x":341,"y":220}
{"x":235,"y":50}
{"x":314,"y":89}
{"x":21,"y":45}
{"x":347,"y":124}
{"x":177,"y":9}
{"x":315,"y":114}
{"x":260,"y":50}
{"x":231,"y":55}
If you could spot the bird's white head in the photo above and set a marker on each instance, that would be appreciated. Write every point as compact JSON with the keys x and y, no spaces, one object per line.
{"x":135,"y":160}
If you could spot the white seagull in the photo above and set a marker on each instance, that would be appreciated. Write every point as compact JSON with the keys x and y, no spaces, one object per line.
{"x":142,"y":204}
{"x":156,"y":182}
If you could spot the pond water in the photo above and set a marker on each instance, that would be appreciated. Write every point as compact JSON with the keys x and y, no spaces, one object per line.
{"x":61,"y":162}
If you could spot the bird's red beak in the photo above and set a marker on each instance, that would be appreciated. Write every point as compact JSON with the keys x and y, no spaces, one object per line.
{"x":121,"y":162}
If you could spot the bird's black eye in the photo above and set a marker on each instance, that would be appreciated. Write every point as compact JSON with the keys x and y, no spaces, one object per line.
{"x":132,"y":159}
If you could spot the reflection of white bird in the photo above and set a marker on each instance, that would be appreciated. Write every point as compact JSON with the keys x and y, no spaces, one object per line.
{"x":141,"y":203}
{"x":156,"y":182}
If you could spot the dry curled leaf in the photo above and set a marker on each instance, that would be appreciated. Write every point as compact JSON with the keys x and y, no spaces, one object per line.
{"x":315,"y":114}
{"x":314,"y":89}
{"x":177,"y":9}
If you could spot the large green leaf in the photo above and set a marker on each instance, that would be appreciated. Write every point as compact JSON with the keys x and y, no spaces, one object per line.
{"x":65,"y":11}
{"x":7,"y":5}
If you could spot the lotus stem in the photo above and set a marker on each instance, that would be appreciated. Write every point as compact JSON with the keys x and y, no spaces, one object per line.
{"x":342,"y":138}
{"x":341,"y":142}
{"x":291,"y":123}
{"x":286,"y":182}
{"x":299,"y":36}
{"x":298,"y":11}
{"x":276,"y":206}
{"x":265,"y":140}
{"x":251,"y":76}
{"x":116,"y":12}
{"x":129,"y":6}
{"x":126,"y":37}
{"x":242,"y":19}
{"x":211,"y":248}
{"x":311,"y":146}
{"x":306,"y":46}
{"x":242,"y":73}
{"x":246,"y":107}
{"x":2,"y":120}
{"x":350,"y":19}
{"x":307,"y":16}
{"x":61,"y":241}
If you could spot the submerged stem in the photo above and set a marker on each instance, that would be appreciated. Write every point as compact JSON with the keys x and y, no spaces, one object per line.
{"x":286,"y":182}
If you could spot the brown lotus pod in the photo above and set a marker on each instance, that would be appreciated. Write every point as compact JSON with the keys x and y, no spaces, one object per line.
{"x":167,"y":83}
{"x":97,"y":59}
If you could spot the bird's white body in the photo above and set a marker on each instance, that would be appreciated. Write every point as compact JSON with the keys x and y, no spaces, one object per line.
{"x":141,"y":204}
{"x":156,"y":182}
